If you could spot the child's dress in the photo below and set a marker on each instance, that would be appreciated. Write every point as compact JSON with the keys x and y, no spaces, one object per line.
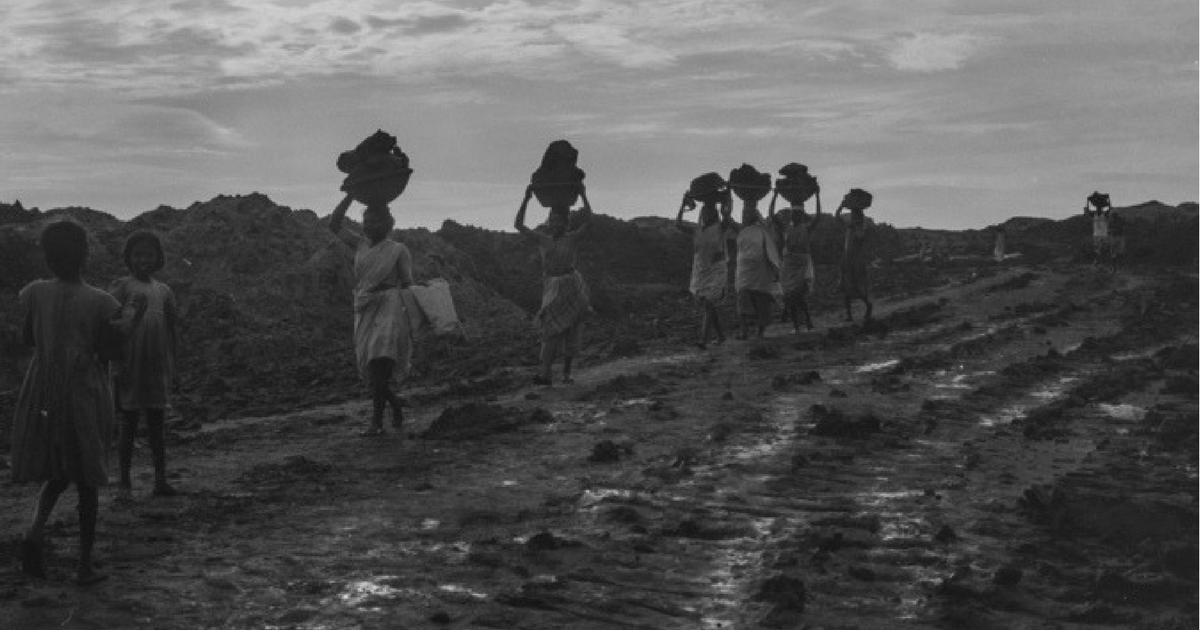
{"x":64,"y":415}
{"x":147,"y":363}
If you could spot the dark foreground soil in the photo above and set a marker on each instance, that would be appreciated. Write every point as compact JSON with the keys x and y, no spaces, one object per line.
{"x":1013,"y":452}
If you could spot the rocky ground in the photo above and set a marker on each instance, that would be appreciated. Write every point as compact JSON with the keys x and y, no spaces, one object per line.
{"x":1013,"y":450}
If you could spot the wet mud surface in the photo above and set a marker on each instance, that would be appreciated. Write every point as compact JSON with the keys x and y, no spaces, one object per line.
{"x":1016,"y":452}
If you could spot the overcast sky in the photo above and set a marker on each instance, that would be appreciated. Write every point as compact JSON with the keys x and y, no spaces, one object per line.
{"x":954,"y":113}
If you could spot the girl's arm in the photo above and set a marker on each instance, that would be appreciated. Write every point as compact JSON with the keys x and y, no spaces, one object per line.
{"x":520,"y":221}
{"x":816,"y":217}
{"x":404,"y":267}
{"x":170,"y":319}
{"x":585,"y":215}
{"x":687,"y":204}
{"x":339,"y":214}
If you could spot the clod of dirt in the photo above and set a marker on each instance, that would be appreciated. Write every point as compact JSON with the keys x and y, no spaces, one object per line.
{"x":762,"y":352}
{"x":440,"y":617}
{"x":720,"y":431}
{"x":837,"y":393}
{"x":624,"y":514}
{"x":605,"y":452}
{"x":541,"y":416}
{"x":727,"y":396}
{"x":862,"y":573}
{"x":635,"y":386}
{"x":945,"y":535}
{"x":782,"y":590}
{"x":543,"y":541}
{"x":805,"y":378}
{"x":831,"y":422}
{"x":1007,"y":576}
{"x":471,"y":421}
{"x":690,"y":528}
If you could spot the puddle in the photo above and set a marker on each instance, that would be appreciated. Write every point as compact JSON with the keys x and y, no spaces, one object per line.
{"x":593,"y":496}
{"x":430,"y":523}
{"x":364,"y":593}
{"x":461,"y":590}
{"x":875,"y":367}
{"x":1131,"y":413}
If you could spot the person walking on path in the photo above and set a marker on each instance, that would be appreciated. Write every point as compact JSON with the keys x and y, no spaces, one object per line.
{"x":383,"y":338}
{"x":757,"y":278}
{"x":146,"y":372}
{"x":64,"y":414}
{"x":709,"y":271}
{"x":798,"y":274}
{"x":565,"y":300}
{"x":854,"y":282}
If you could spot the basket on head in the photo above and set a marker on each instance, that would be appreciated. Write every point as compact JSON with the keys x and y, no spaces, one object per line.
{"x":857,"y":199}
{"x":558,"y":181}
{"x":796,"y":185}
{"x":1100,"y":200}
{"x":377,"y":171}
{"x":749,"y":184}
{"x":707,"y":188}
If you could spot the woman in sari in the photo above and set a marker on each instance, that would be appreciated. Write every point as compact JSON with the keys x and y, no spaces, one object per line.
{"x":565,"y":301}
{"x":798,"y":274}
{"x":709,"y":270}
{"x":757,"y":279}
{"x":382,"y":334}
{"x":853,"y":281}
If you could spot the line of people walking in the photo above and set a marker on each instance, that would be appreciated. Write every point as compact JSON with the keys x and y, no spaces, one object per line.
{"x":762,"y":262}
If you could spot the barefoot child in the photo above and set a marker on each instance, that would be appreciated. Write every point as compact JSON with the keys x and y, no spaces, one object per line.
{"x":64,"y":414}
{"x":382,"y":335}
{"x":146,"y":372}
{"x":565,"y":301}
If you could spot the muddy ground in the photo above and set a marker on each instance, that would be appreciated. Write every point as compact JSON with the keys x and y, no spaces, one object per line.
{"x":1017,"y":451}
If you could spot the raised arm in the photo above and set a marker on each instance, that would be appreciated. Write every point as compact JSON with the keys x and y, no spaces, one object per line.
{"x":339,"y":214}
{"x":585,"y":215}
{"x":817,"y":216}
{"x":687,"y":204}
{"x":519,"y":223}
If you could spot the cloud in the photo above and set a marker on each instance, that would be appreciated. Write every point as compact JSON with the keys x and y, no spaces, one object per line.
{"x":931,"y":52}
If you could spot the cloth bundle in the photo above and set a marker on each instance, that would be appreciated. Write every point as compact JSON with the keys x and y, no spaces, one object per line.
{"x":1099,"y":200}
{"x":857,"y":199}
{"x":796,"y":185}
{"x":437,"y":306}
{"x":747,"y":183}
{"x":377,"y":171}
{"x":556,"y":183}
{"x":709,"y":187}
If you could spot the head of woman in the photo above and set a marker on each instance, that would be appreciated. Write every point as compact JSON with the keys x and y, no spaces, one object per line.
{"x":143,"y":254}
{"x":750,"y":215}
{"x":377,"y":223}
{"x":65,"y":245}
{"x":709,"y":214}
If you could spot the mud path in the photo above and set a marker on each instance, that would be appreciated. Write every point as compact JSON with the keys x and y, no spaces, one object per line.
{"x":1017,"y":452}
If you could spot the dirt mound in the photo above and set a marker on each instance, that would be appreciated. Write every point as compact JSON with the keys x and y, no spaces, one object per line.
{"x":472,"y":421}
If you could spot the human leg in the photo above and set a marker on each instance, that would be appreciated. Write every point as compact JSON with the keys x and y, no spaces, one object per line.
{"x":379,"y":370}
{"x":128,"y":433}
{"x":156,"y":435}
{"x":89,"y":509}
{"x":715,"y":319}
{"x":32,"y":561}
{"x":705,"y":322}
{"x":549,"y":352}
{"x":572,"y":342}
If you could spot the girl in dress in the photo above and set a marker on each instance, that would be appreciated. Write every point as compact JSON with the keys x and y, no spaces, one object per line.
{"x":64,"y":413}
{"x":709,"y":270}
{"x":146,"y":373}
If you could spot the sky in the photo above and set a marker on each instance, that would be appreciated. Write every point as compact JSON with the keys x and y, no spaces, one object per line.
{"x":954,"y":113}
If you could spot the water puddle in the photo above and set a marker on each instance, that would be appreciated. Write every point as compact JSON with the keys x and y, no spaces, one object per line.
{"x":1130,"y":413}
{"x":371,"y":593}
{"x":458,"y":589}
{"x":875,"y":367}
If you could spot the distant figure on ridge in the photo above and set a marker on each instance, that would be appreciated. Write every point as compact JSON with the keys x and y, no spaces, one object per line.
{"x":854,"y":282}
{"x":565,"y":301}
{"x":1100,"y":219}
{"x":709,"y":271}
{"x":798,"y":274}
{"x":64,"y":413}
{"x":146,"y":373}
{"x":1117,"y":234}
{"x":998,"y":244}
{"x":383,"y":337}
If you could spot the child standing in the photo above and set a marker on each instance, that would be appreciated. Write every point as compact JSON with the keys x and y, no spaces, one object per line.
{"x":64,"y":411}
{"x":146,"y":372}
